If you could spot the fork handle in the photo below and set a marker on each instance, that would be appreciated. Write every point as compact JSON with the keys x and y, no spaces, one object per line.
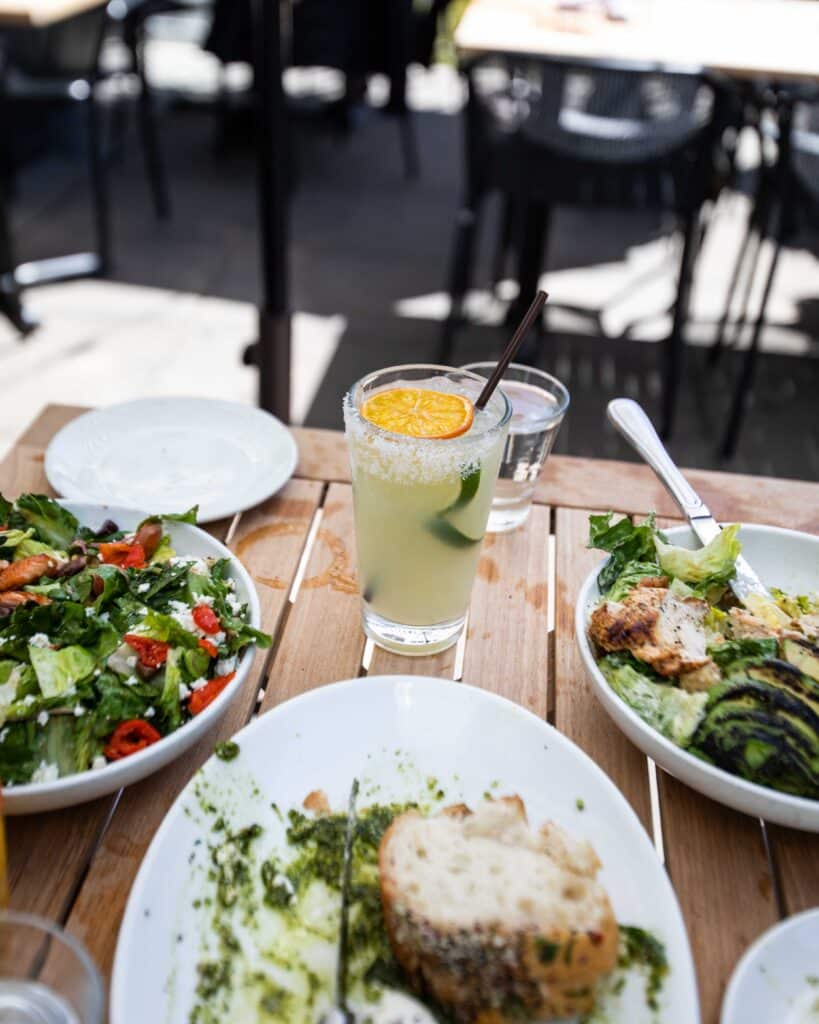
{"x":629,"y":418}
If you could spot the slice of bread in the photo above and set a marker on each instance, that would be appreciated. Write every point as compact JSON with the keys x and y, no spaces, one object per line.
{"x":492,"y":920}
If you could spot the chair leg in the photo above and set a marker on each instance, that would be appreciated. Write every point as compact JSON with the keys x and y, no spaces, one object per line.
{"x":739,"y":405}
{"x":505,"y":234}
{"x":409,"y":145}
{"x":675,"y":344}
{"x":746,"y":262}
{"x":533,"y":239}
{"x":460,"y":276}
{"x":99,"y":186}
{"x":150,"y":137}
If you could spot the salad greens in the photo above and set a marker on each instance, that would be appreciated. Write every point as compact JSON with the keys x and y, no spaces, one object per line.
{"x":737,"y":687}
{"x":108,"y":640}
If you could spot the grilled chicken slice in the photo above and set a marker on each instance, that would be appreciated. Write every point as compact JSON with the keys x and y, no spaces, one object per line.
{"x":26,"y":571}
{"x":662,"y":630}
{"x":745,"y":625}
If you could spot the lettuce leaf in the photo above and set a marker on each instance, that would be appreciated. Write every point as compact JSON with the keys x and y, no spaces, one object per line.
{"x":672,"y":712}
{"x":748,"y":649}
{"x":705,"y":568}
{"x":630,"y":577}
{"x":54,"y":524}
{"x":58,"y":672}
{"x":625,"y":542}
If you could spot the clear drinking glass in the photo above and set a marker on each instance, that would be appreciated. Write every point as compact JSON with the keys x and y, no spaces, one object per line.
{"x":539,"y":403}
{"x":421,"y":506}
{"x":46,"y":976}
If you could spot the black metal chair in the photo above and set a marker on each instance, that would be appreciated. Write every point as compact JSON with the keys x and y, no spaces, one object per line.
{"x":786,"y":202}
{"x":546,"y":133}
{"x":61,"y":64}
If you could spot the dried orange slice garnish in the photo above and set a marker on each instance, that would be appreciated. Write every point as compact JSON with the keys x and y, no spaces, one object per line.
{"x":419,"y":412}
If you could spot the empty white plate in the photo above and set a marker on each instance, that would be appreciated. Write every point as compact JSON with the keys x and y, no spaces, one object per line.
{"x":777,"y":981}
{"x":167,"y":454}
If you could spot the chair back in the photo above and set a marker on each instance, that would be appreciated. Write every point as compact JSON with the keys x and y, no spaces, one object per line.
{"x":566,"y":121}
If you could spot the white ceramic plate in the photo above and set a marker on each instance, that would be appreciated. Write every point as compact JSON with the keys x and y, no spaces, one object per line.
{"x":782,"y":558}
{"x":168,"y":454}
{"x":394,"y":732}
{"x":76,"y":789}
{"x":777,"y":981}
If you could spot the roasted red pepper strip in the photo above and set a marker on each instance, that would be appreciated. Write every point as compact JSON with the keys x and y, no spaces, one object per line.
{"x":152,"y":653}
{"x":207,"y":694}
{"x":129,"y":737}
{"x":126,"y":556}
{"x":205,"y":618}
{"x":206,"y":645}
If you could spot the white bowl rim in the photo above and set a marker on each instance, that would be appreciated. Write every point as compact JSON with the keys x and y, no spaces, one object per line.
{"x":128,"y":765}
{"x":770,"y":935}
{"x":750,"y":789}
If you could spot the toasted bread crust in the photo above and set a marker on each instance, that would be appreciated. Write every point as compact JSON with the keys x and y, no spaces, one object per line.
{"x":488,"y":974}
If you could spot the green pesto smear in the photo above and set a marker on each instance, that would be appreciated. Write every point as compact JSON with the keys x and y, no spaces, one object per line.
{"x":285,"y":973}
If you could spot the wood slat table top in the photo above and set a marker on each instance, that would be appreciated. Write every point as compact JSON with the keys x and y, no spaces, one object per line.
{"x":748,"y":39}
{"x":733,"y":875}
{"x":38,"y":13}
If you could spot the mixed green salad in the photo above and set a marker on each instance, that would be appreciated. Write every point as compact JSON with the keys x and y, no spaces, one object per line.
{"x":108,"y":640}
{"x":736,"y":686}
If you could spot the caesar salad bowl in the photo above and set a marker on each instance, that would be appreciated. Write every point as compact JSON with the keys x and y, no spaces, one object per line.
{"x":785,"y":559}
{"x":188,"y":541}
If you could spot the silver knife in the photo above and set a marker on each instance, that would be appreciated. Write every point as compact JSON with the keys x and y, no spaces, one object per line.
{"x":341,"y":1014}
{"x":631,"y":421}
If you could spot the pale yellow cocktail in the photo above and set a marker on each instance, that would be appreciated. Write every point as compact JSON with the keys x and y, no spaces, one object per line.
{"x":421,"y":507}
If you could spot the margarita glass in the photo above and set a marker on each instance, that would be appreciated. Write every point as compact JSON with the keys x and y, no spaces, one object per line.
{"x":421,"y":508}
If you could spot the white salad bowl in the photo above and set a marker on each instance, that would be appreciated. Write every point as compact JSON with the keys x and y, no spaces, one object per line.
{"x":782,"y":558}
{"x":35,"y":797}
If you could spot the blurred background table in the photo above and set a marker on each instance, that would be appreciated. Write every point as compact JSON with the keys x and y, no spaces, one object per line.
{"x":734,"y":876}
{"x":771,"y":39}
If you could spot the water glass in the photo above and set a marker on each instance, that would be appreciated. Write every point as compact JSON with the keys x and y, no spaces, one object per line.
{"x":539,"y":403}
{"x":421,"y":506}
{"x":46,"y":976}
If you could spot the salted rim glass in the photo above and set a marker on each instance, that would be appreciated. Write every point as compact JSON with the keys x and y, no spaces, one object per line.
{"x":420,"y":371}
{"x":63,"y":965}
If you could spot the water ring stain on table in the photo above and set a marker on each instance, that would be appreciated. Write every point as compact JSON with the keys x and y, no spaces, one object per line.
{"x":280,"y":529}
{"x":338,"y":575}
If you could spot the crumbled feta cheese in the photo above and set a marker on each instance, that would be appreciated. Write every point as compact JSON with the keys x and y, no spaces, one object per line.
{"x":3,"y":734}
{"x":231,"y":584}
{"x":104,"y":617}
{"x":98,"y":762}
{"x":42,"y":718}
{"x":131,"y":661}
{"x":89,"y":611}
{"x":45,"y":772}
{"x":97,"y":672}
{"x":143,"y":587}
{"x":205,"y":599}
{"x":131,"y":681}
{"x":29,"y":699}
{"x":234,"y":603}
{"x":149,"y":712}
{"x":226,"y":665}
{"x":39,"y":640}
{"x":79,"y":710}
{"x":216,"y":638}
{"x":182,"y":614}
{"x":197,"y":684}
{"x":184,"y":691}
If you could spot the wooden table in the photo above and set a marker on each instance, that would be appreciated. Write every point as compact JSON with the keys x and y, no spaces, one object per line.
{"x":772,"y":39}
{"x":734,"y":877}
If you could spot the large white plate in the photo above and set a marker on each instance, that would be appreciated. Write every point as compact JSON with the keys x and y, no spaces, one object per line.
{"x":167,"y":454}
{"x":778,"y":978}
{"x":76,"y":789}
{"x":782,"y":558}
{"x":396,"y":731}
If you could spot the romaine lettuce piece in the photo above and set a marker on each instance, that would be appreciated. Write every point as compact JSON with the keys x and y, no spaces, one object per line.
{"x":707,"y":567}
{"x":672,"y":712}
{"x":54,"y":524}
{"x":748,"y":649}
{"x":630,"y":577}
{"x":58,"y":672}
{"x":625,"y":542}
{"x":162,"y":627}
{"x":169,"y":705}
